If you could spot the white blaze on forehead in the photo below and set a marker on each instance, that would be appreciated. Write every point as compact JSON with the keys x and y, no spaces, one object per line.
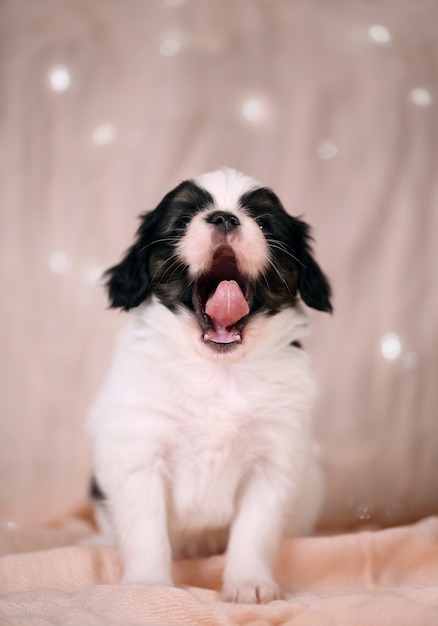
{"x":197,"y":247}
{"x":226,"y":186}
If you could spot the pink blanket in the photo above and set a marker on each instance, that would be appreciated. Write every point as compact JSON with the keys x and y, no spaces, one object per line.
{"x":366,"y":578}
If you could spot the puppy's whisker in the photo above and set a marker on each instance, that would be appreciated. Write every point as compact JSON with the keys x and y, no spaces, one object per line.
{"x":278,"y":245}
{"x":164,"y":240}
{"x":280,"y":276}
{"x":173,"y":264}
{"x":169,"y":265}
{"x":265,"y":280}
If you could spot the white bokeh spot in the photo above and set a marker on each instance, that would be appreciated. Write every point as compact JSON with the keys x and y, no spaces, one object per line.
{"x":420,"y":97}
{"x":410,"y":360}
{"x":170,"y":47}
{"x":174,"y":3}
{"x":104,"y":134}
{"x":59,"y":263}
{"x":390,"y":346}
{"x":327,"y":150}
{"x":59,"y":78}
{"x":253,"y":110}
{"x":94,"y":275}
{"x":380,"y":34}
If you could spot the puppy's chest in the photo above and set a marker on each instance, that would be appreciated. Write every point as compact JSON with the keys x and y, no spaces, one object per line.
{"x":205,"y":445}
{"x":211,"y":419}
{"x":208,"y":457}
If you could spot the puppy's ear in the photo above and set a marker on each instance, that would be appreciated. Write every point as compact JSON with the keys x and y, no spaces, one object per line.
{"x":312,"y":283}
{"x":128,"y":282}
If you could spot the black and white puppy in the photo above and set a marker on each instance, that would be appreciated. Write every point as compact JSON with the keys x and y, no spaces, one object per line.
{"x":202,"y":431}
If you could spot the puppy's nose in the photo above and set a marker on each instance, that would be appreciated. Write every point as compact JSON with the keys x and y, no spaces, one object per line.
{"x":223,"y":221}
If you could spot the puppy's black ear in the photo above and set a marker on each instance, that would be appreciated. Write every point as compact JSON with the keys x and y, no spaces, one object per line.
{"x":312,"y":284}
{"x":128,"y":282}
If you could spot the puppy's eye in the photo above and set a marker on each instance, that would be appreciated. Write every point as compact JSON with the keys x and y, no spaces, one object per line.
{"x":262,"y":223}
{"x":183,"y":222}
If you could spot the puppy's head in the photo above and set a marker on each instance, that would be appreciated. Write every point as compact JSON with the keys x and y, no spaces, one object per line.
{"x":221,"y":251}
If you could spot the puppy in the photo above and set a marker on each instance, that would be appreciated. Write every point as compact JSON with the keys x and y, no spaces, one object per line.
{"x":202,"y":431}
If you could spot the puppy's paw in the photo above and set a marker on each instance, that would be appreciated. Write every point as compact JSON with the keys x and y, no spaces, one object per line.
{"x":251,"y":592}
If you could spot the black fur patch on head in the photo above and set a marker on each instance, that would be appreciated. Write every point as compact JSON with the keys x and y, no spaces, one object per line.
{"x":292,"y":268}
{"x":151,"y":264}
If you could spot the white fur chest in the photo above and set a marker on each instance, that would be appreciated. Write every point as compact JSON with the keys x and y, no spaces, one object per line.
{"x":203,"y":425}
{"x":208,"y":456}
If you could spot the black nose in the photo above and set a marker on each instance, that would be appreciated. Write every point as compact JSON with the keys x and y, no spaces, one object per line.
{"x":223,"y":221}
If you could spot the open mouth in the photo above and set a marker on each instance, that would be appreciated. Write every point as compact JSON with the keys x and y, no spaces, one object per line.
{"x":222,"y":301}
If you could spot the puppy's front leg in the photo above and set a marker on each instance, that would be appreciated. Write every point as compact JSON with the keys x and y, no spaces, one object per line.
{"x":139,"y":512}
{"x":254,"y":540}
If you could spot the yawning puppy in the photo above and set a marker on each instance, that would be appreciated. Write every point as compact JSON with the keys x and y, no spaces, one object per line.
{"x":202,"y":433}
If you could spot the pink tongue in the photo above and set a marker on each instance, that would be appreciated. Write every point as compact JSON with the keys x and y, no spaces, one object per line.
{"x":227,"y":305}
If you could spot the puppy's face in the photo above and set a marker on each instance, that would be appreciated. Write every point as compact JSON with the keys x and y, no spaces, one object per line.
{"x":221,"y":251}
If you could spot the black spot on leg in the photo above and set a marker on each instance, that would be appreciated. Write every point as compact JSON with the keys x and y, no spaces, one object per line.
{"x":95,"y":491}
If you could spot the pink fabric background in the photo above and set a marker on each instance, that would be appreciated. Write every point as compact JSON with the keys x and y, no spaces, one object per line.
{"x":335,"y":128}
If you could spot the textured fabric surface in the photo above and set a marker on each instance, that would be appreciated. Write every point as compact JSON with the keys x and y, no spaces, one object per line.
{"x":367,"y":578}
